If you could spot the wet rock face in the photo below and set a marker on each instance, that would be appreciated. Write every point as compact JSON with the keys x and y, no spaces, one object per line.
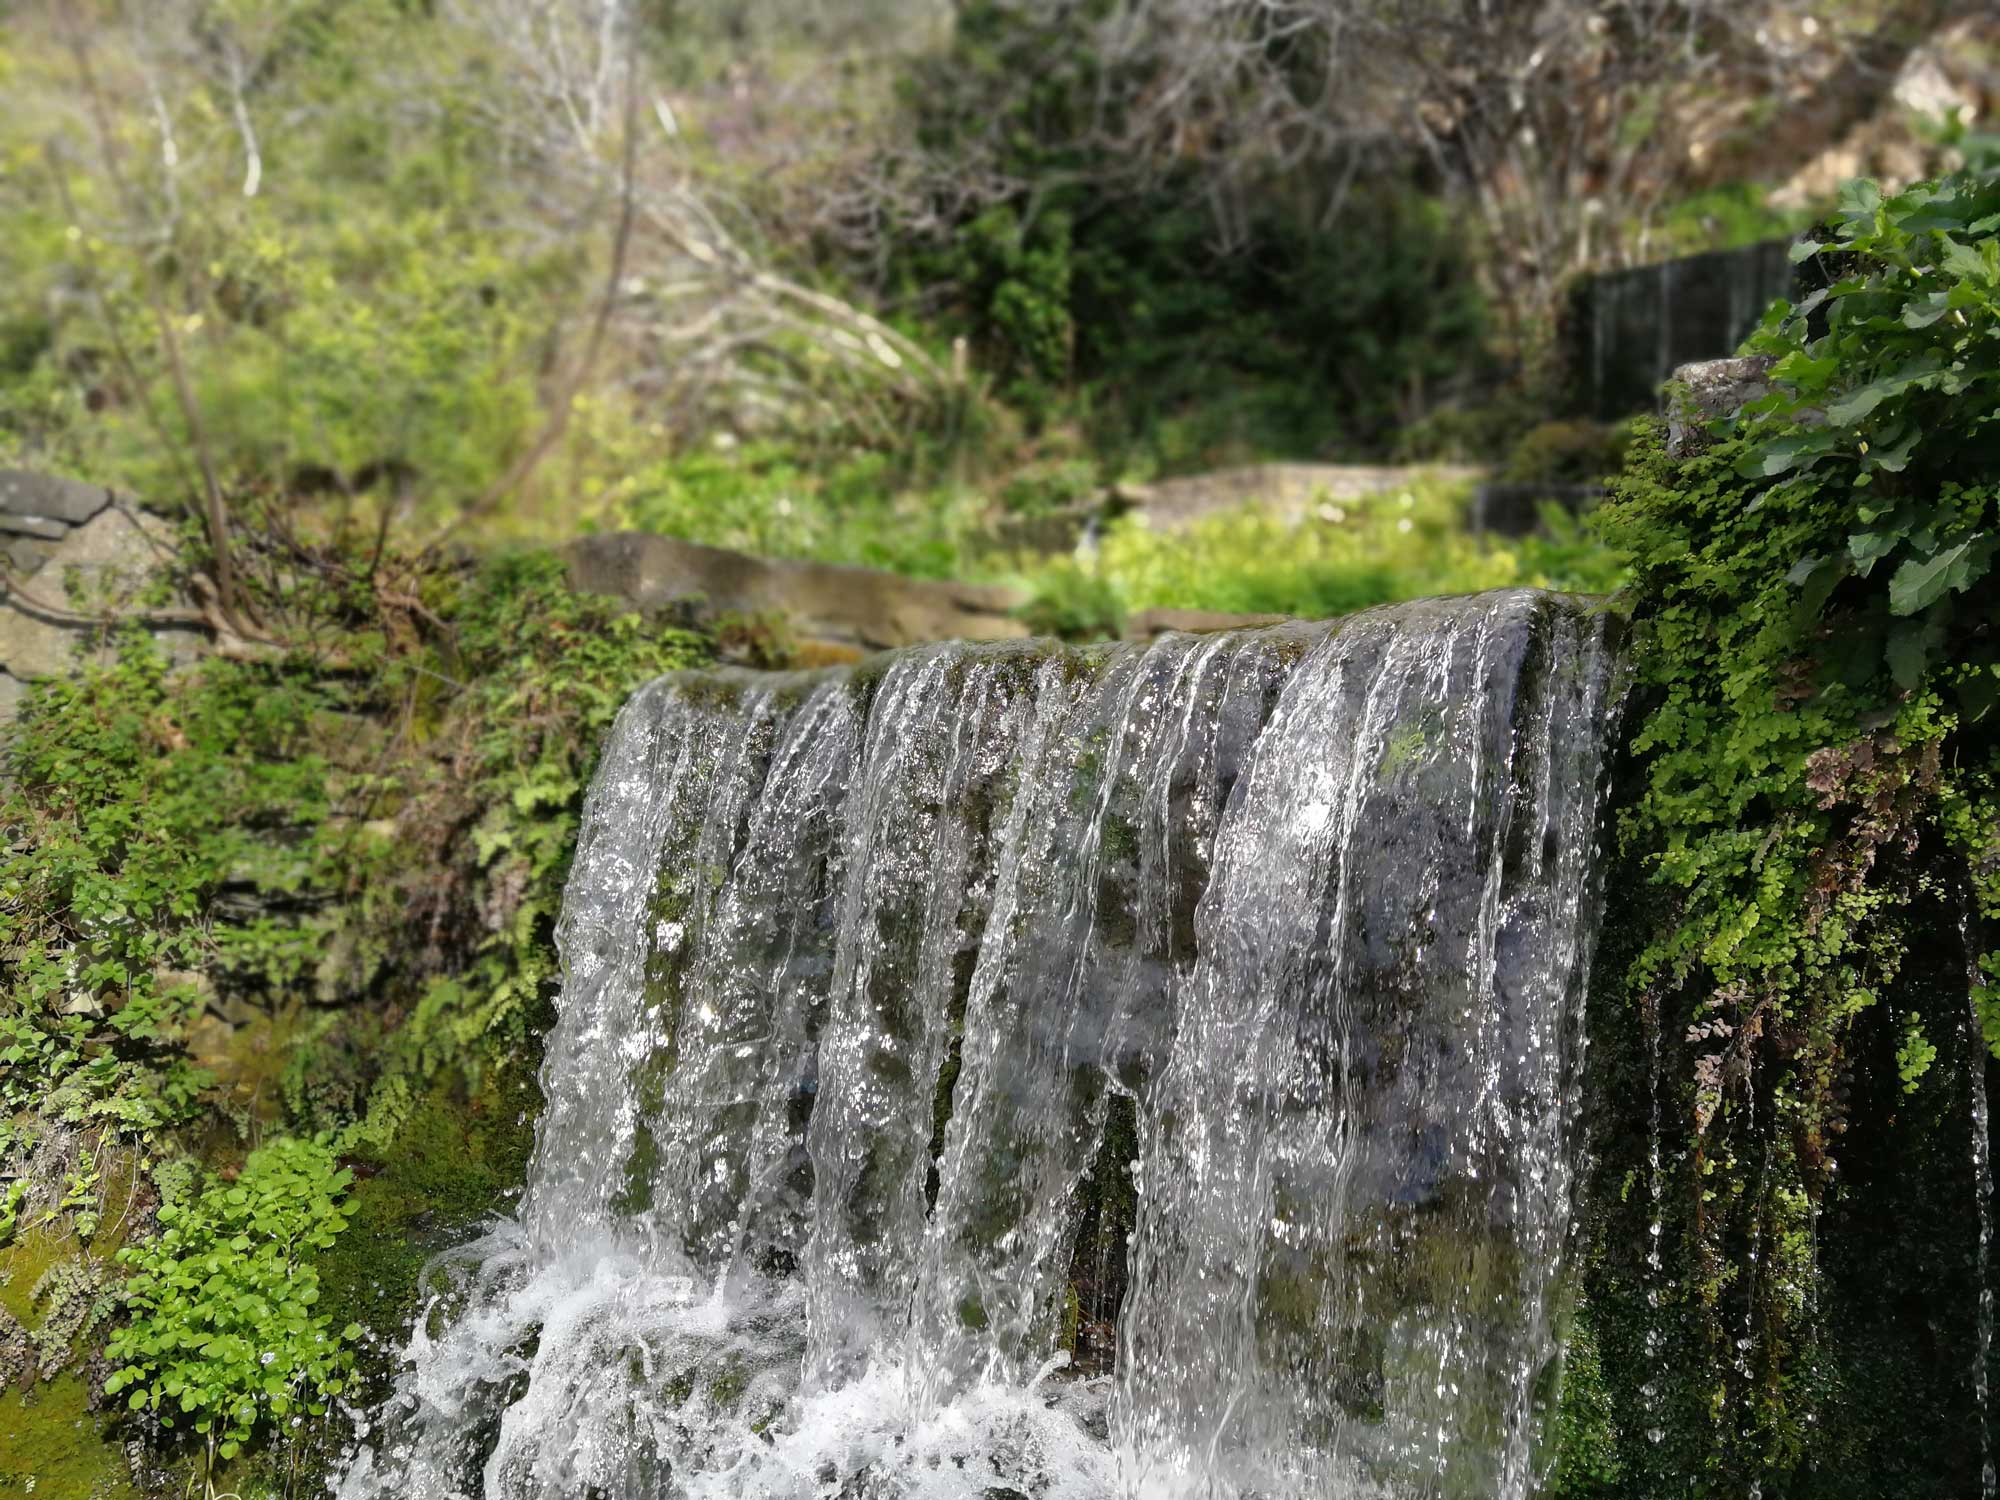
{"x":1626,"y":331}
{"x":1218,"y":994}
{"x":863,"y":609}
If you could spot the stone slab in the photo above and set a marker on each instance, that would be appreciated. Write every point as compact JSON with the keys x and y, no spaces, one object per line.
{"x":25,"y":493}
{"x":35,"y":526}
{"x":825,"y":602}
{"x":1292,"y":491}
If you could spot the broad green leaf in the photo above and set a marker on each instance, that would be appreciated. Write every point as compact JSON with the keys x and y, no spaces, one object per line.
{"x":1921,"y":582}
{"x":1781,"y":455}
{"x":1817,"y":578}
{"x":1980,"y":263}
{"x":1857,"y":404}
{"x":1807,"y":373}
{"x":1869,"y":547}
{"x":1907,"y":651}
{"x":1923,"y":314}
{"x":1892,"y":453}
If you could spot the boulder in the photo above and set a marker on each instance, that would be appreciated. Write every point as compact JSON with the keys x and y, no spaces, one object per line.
{"x":109,"y":555}
{"x":1708,"y":391}
{"x":828,"y":605}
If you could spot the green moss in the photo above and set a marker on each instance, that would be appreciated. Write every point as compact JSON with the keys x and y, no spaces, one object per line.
{"x":1583,"y":1434}
{"x":727,"y":1385}
{"x":454,"y":1164}
{"x":50,"y":1438}
{"x":22,"y":1264}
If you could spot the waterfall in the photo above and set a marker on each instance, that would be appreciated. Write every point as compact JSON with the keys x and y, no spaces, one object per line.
{"x":1977,"y":1055}
{"x":920,"y":1016}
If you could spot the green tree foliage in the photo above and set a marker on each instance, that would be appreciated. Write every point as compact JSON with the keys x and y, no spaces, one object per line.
{"x":1282,"y":334}
{"x":326,"y":230}
{"x":1813,"y":610}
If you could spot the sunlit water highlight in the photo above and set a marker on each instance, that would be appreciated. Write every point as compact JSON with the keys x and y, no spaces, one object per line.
{"x":865,"y":969}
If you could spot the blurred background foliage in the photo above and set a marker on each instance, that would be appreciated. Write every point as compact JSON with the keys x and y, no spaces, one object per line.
{"x":830,"y":279}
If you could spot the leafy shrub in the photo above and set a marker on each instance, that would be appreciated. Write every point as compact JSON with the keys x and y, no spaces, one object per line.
{"x":851,"y":507}
{"x":1813,"y":599}
{"x":1040,"y":489}
{"x":223,"y":1335}
{"x":134,"y":800}
{"x":1573,"y":452}
{"x":1895,"y":410}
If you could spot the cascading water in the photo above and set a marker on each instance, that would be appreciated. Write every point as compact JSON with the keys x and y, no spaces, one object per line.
{"x":1982,"y":1188}
{"x":1260,"y":953}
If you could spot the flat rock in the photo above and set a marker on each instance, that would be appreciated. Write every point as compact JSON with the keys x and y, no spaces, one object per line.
{"x":1148,"y":623}
{"x":1292,"y":491}
{"x":36,"y":526}
{"x":71,"y":501}
{"x":826,"y":603}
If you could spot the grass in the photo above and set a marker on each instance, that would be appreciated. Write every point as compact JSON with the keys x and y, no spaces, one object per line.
{"x":1405,"y":544}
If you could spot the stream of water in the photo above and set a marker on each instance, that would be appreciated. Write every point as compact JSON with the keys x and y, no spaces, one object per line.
{"x":920,"y":1016}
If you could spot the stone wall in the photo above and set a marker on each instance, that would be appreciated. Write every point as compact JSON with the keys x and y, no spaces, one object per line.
{"x":65,"y":542}
{"x":1625,"y":332}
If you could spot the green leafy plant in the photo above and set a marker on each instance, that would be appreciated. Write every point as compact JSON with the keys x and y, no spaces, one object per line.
{"x":1811,"y":600}
{"x":1887,"y":394}
{"x":223,"y":1336}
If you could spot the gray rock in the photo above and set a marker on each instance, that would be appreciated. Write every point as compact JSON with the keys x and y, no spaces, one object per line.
{"x":842,"y":606}
{"x":35,"y":526}
{"x":1709,"y":391}
{"x":24,"y":493}
{"x":25,"y":555}
{"x":109,"y":557}
{"x":1148,"y":623}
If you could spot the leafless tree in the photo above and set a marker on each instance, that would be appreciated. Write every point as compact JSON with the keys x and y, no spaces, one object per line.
{"x":1560,"y":123}
{"x":711,"y":328}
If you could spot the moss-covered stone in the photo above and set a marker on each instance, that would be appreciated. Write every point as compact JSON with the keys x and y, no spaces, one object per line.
{"x":1878,"y":1402}
{"x":53,"y":1445}
{"x":457,"y":1162}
